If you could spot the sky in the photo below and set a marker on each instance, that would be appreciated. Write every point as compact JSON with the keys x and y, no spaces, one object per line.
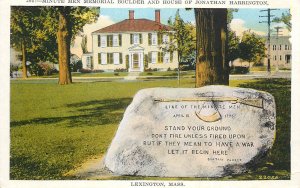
{"x":243,"y":19}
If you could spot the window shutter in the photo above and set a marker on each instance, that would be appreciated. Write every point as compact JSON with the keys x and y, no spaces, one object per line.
{"x":149,"y":57}
{"x":160,"y":57}
{"x":159,"y":38}
{"x":120,"y":40}
{"x":99,"y":58}
{"x":149,"y":39}
{"x":171,"y":37}
{"x":141,"y":38}
{"x":107,"y":41}
{"x":120,"y":58}
{"x":127,"y":61}
{"x":99,"y":41}
{"x":171,"y":57}
{"x":131,"y":38}
{"x":109,"y":58}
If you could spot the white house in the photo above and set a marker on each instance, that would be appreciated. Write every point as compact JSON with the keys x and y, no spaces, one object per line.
{"x":280,"y":52}
{"x":132,"y":44}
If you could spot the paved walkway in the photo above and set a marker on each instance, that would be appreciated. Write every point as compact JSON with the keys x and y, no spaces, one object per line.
{"x":132,"y":76}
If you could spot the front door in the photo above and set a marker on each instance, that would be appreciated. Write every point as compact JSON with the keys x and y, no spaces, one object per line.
{"x":136,"y":64}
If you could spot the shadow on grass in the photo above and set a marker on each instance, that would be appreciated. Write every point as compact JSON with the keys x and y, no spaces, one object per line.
{"x":90,"y":113}
{"x":278,"y":159}
{"x":25,"y":168}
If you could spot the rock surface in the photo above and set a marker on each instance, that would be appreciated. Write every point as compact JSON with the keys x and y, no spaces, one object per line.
{"x":211,"y":131}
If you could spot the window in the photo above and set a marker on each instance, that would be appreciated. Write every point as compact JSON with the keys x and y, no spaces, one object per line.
{"x":110,"y":58}
{"x":103,"y":59}
{"x":115,"y":40}
{"x":280,"y":47}
{"x":88,"y":62}
{"x":99,"y":41}
{"x":103,"y":41}
{"x":153,"y":57}
{"x":116,"y":58}
{"x":275,"y":57}
{"x":109,"y":40}
{"x":167,"y":57}
{"x":154,"y":39}
{"x":165,"y":39}
{"x":171,"y":57}
{"x":160,"y":57}
{"x":285,"y":47}
{"x":280,"y":57}
{"x":136,"y":38}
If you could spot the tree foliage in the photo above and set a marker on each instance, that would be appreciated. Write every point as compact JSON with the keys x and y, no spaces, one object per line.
{"x":233,"y":46}
{"x":68,"y":22}
{"x":23,"y":32}
{"x":84,"y":44}
{"x":46,"y":33}
{"x":286,"y":19}
{"x":252,"y":47}
{"x":183,"y":38}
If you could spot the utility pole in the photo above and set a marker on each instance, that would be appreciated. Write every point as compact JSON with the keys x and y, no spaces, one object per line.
{"x":277,"y":36}
{"x":269,"y":33}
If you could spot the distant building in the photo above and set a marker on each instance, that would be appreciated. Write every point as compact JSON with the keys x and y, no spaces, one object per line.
{"x":132,"y":44}
{"x":280,"y":52}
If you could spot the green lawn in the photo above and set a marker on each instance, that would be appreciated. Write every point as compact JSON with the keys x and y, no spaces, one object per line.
{"x":55,"y":128}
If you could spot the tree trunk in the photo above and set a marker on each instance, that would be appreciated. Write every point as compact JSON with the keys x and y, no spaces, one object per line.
{"x":24,"y":67}
{"x":64,"y":35}
{"x":211,"y":63}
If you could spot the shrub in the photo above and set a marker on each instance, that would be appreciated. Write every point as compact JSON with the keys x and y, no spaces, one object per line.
{"x":239,"y":70}
{"x":43,"y":69}
{"x":116,"y":74}
{"x":149,"y":73}
{"x":169,"y":69}
{"x":75,"y":66}
{"x":85,"y":70}
{"x":120,"y":70}
{"x":148,"y":70}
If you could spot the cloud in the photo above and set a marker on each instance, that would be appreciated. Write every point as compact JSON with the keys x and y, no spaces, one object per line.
{"x":238,"y":25}
{"x":103,"y":21}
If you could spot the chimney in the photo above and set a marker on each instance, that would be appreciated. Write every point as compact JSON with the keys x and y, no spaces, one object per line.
{"x":131,"y":14}
{"x":157,"y":16}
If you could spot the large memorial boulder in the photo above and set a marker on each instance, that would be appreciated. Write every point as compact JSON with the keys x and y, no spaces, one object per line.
{"x":211,"y":131}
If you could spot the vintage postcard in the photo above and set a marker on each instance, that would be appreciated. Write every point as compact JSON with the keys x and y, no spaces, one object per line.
{"x":149,"y":93}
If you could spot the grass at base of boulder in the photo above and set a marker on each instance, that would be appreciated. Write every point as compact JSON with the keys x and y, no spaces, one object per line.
{"x":56,"y":128}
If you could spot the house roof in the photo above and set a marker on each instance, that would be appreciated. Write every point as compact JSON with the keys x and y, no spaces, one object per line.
{"x":134,"y":25}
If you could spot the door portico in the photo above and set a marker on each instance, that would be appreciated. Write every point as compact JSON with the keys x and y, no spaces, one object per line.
{"x":136,"y":59}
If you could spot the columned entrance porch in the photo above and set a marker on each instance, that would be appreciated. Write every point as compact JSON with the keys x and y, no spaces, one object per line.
{"x":136,"y":59}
